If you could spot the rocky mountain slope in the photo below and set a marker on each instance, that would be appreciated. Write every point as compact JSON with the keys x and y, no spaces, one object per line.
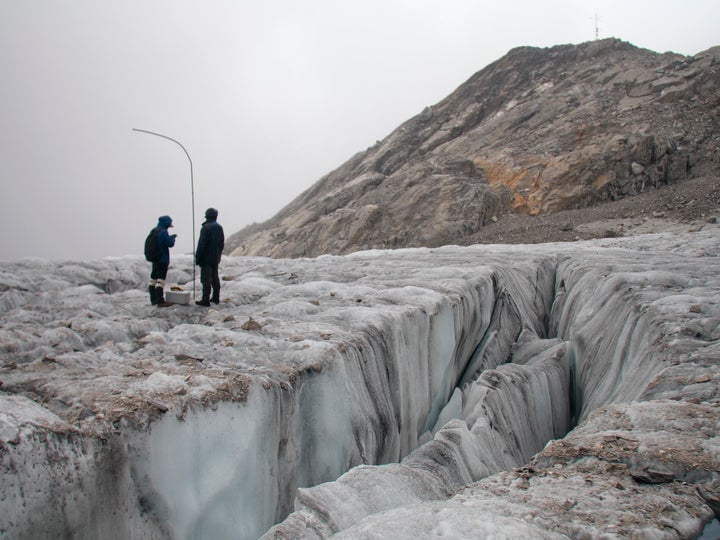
{"x":526,"y":150}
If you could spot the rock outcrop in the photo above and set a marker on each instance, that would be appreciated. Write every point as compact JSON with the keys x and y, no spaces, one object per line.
{"x":536,"y":132}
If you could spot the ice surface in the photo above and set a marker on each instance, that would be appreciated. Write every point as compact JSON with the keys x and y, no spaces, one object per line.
{"x":383,"y":394}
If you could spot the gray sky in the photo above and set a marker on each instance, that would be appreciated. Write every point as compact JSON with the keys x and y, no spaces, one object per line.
{"x":267,"y":96}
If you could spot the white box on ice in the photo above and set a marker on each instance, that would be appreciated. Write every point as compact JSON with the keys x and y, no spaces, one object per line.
{"x":177,"y":297}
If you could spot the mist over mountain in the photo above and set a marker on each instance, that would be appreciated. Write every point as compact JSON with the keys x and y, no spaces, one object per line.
{"x":539,"y":132}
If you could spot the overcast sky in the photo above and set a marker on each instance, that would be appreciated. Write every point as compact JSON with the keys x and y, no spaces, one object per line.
{"x":267,"y":96}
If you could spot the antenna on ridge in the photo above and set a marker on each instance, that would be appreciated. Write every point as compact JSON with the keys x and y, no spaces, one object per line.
{"x":597,"y":28}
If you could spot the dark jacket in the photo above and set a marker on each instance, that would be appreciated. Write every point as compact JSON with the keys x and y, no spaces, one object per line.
{"x":164,"y":240}
{"x":211,"y":244}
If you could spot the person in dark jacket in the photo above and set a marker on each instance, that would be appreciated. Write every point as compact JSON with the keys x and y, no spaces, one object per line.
{"x":207,"y":257}
{"x":159,"y":271}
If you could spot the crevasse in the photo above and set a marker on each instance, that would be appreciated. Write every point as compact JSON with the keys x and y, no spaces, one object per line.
{"x":438,"y":384}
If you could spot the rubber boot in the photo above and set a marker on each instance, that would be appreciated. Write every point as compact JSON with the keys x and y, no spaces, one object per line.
{"x":153,"y":296}
{"x":160,"y":297}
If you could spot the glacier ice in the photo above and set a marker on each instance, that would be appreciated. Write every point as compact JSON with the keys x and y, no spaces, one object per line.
{"x":485,"y":391}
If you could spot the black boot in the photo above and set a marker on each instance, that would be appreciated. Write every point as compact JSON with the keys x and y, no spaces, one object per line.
{"x":160,"y":297}
{"x":205,"y":300}
{"x":153,"y":297}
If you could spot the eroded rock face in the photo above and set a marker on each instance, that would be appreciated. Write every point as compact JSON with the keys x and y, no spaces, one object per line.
{"x":538,"y":131}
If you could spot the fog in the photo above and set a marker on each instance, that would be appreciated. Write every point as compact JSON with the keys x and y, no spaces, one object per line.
{"x":266,"y":97}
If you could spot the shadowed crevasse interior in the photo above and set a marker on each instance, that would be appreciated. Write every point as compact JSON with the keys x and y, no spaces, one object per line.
{"x":535,"y":358}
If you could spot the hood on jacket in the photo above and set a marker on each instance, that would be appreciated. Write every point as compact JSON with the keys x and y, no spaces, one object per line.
{"x":165,"y":222}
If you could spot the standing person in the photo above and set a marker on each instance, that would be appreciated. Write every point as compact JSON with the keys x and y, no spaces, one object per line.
{"x":207,"y":257}
{"x":160,"y":261}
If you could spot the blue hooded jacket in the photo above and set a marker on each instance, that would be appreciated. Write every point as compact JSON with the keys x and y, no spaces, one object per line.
{"x":164,"y":240}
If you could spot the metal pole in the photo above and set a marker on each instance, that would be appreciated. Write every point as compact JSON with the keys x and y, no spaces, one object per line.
{"x":192,"y":194}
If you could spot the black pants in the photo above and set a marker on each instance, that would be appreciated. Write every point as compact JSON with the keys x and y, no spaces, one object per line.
{"x":210,"y":279}
{"x":159,"y":271}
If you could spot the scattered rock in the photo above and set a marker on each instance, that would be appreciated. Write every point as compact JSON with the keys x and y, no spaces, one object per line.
{"x":182,"y":357}
{"x":636,"y":168}
{"x":158,"y":405}
{"x":652,"y":476}
{"x":251,"y":325}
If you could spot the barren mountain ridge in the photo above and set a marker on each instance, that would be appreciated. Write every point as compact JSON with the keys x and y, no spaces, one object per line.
{"x":557,"y":144}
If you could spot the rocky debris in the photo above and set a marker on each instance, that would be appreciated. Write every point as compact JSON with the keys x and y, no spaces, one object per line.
{"x":539,"y":131}
{"x":683,"y":207}
{"x":632,"y":470}
{"x":250,"y":325}
{"x":654,"y":451}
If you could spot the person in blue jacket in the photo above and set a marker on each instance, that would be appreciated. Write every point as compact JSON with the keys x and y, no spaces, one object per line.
{"x":160,"y":267}
{"x":207,"y":257}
